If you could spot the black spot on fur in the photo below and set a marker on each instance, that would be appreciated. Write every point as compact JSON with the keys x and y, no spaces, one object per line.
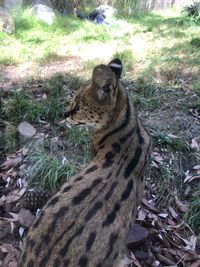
{"x":116,"y":146}
{"x":45,"y":238}
{"x":134,"y":161}
{"x":38,"y":248}
{"x":99,"y":265}
{"x":115,"y":255}
{"x":83,"y":261}
{"x":111,"y":190}
{"x":96,"y":182}
{"x":43,"y":262}
{"x":111,"y":216}
{"x":140,"y":138}
{"x":98,"y":205}
{"x":31,"y":243}
{"x":112,"y":240}
{"x":53,"y":201}
{"x":127,"y":191}
{"x":109,"y":175}
{"x":71,"y":225}
{"x":66,"y":263}
{"x":119,"y":169}
{"x":64,"y":250}
{"x":66,"y":188}
{"x":109,"y":159}
{"x":81,"y":196}
{"x":125,"y":122}
{"x":56,"y":262}
{"x":24,"y":256}
{"x":57,"y":216}
{"x":90,"y":241}
{"x":127,"y":136}
{"x":38,"y":220}
{"x":91,"y":169}
{"x":98,"y":193}
{"x":78,"y":179}
{"x":30,"y":263}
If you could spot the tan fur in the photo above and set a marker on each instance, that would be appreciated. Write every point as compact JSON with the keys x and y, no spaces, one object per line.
{"x":87,"y":224}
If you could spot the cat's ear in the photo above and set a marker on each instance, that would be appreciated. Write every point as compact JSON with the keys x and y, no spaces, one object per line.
{"x":116,"y":66}
{"x":103,"y":83}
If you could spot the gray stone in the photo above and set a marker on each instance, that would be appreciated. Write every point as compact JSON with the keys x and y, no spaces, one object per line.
{"x":44,"y":13}
{"x":26,"y":131}
{"x":136,"y":236}
{"x":6,"y":21}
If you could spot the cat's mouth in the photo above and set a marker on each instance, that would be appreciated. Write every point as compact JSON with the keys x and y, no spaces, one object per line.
{"x":68,"y":120}
{"x":74,"y":122}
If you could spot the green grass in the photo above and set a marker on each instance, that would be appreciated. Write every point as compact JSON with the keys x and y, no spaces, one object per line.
{"x":48,"y":170}
{"x":21,"y":107}
{"x":192,"y":216}
{"x":81,"y":138}
{"x":127,"y":57}
{"x":153,"y":46}
{"x":163,"y":140}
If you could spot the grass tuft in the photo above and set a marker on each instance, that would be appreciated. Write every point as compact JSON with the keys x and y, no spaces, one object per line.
{"x":192,"y":216}
{"x":163,"y":139}
{"x":195,"y":42}
{"x":21,"y":107}
{"x":48,"y":170}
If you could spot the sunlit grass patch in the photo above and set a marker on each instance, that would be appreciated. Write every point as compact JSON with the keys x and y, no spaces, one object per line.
{"x":157,"y":46}
{"x":126,"y":57}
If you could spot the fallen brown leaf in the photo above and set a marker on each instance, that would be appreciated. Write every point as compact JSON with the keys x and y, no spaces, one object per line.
{"x":193,"y":178}
{"x":195,"y":264}
{"x":173,"y":212}
{"x":15,"y":195}
{"x":134,"y":260}
{"x":194,"y":144}
{"x":182,"y":206}
{"x":142,"y":214}
{"x":149,"y":205}
{"x":9,"y":163}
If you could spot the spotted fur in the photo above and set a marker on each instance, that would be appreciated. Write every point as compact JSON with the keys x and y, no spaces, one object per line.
{"x":86,"y":222}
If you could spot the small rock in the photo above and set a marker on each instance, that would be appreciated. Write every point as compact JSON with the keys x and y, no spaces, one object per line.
{"x":136,"y":235}
{"x":26,"y":131}
{"x":141,"y":255}
{"x":26,"y":218}
{"x":25,"y":152}
{"x":44,"y":13}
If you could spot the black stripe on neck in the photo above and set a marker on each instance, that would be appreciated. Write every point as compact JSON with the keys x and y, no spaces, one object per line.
{"x":122,"y":126}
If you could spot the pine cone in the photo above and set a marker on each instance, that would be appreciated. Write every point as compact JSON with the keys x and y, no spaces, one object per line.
{"x":35,"y":199}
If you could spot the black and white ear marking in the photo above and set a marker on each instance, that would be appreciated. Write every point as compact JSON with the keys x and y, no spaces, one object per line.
{"x":116,"y":67}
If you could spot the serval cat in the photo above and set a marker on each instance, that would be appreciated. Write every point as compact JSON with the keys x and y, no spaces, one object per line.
{"x":86,"y":222}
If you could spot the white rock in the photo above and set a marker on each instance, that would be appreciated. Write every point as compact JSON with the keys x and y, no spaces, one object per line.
{"x":44,"y":13}
{"x":26,"y":131}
